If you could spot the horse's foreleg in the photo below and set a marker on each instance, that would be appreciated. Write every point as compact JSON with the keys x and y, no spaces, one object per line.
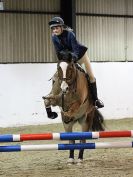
{"x":81,"y":153}
{"x":86,"y":124}
{"x":48,"y":101}
{"x":71,"y":154}
{"x":68,"y":128}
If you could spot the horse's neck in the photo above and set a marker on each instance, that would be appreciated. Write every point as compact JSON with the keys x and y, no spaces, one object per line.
{"x":82,"y":85}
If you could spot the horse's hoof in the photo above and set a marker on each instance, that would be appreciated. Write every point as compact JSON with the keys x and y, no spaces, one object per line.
{"x":70,"y":161}
{"x":79,"y":162}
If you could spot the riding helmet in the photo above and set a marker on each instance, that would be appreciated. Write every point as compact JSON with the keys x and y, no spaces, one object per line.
{"x":56,"y":21}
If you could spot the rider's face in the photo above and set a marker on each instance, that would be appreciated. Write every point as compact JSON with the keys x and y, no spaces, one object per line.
{"x":57,"y":30}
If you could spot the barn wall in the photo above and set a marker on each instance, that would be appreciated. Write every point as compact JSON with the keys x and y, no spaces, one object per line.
{"x":104,"y":26}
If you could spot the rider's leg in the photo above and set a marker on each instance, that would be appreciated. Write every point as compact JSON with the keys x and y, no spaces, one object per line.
{"x":85,"y":62}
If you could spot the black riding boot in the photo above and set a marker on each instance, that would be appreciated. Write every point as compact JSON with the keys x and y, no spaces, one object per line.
{"x":98,"y":103}
{"x":51,"y":115}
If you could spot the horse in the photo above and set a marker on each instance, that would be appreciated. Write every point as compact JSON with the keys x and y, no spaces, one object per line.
{"x":71,"y":93}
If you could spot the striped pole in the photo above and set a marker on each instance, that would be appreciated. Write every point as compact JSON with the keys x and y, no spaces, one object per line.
{"x":99,"y":145}
{"x":65,"y":136}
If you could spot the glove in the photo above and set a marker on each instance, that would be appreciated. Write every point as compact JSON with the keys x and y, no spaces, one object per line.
{"x":65,"y":55}
{"x":74,"y":57}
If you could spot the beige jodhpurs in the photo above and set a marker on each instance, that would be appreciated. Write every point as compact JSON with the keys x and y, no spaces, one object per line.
{"x":85,"y":63}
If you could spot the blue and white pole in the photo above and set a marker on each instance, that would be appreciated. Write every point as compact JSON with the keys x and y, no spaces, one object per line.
{"x":47,"y":147}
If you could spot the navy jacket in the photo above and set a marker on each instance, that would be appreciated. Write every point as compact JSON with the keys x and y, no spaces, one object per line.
{"x":67,"y":41}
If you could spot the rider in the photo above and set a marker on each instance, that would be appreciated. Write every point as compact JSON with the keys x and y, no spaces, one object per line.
{"x":64,"y":39}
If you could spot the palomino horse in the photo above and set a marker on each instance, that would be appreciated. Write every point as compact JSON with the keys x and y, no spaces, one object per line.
{"x":71,"y":93}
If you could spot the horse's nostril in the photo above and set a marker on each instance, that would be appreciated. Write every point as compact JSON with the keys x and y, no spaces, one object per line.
{"x":65,"y":90}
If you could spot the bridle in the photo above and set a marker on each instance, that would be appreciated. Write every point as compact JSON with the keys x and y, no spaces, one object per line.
{"x":71,"y":80}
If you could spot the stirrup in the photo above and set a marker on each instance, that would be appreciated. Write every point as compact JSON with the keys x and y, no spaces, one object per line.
{"x":99,"y":104}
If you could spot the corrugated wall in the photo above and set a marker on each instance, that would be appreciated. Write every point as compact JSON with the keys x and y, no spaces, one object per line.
{"x":32,"y":5}
{"x":101,"y":6}
{"x":129,"y":46}
{"x":25,"y":37}
{"x":129,"y":6}
{"x":103,"y":36}
{"x":108,"y":38}
{"x":129,"y":31}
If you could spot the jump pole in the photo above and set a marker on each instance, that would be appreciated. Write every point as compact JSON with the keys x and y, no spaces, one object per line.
{"x":65,"y":136}
{"x":47,"y":147}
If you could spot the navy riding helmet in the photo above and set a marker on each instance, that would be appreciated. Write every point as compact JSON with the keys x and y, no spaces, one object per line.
{"x":56,"y":21}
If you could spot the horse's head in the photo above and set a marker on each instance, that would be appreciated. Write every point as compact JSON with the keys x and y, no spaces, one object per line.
{"x":66,"y":73}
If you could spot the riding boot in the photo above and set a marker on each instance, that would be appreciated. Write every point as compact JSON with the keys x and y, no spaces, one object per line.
{"x":50,"y":114}
{"x":98,"y":103}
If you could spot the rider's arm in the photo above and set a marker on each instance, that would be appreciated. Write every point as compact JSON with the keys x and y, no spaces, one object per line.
{"x":78,"y":50}
{"x":57,"y":45}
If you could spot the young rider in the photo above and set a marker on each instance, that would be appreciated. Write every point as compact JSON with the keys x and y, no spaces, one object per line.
{"x":64,"y":39}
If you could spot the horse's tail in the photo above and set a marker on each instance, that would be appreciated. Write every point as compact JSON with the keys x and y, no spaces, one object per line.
{"x":98,"y":121}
